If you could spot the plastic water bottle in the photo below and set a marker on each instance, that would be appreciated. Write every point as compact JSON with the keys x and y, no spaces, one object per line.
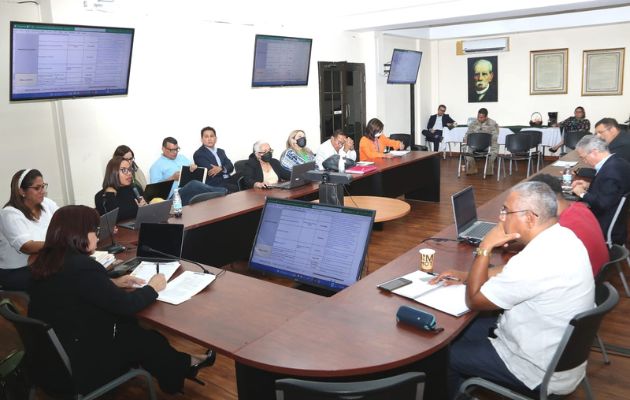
{"x":567,"y":177}
{"x":342,"y":164}
{"x":177,"y":203}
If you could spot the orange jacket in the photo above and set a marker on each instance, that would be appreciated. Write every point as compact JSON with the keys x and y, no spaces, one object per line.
{"x":368,"y":150}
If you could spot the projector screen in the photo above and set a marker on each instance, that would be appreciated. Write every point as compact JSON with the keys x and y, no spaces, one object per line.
{"x":281,"y":61}
{"x":315,"y":244}
{"x":405,"y":66}
{"x":53,"y":61}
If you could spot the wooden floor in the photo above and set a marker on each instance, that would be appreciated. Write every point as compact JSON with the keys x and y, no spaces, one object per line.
{"x":608,"y":381}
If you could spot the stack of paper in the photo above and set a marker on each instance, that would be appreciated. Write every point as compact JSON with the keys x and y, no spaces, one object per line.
{"x":398,"y":153}
{"x":185,"y":287}
{"x":103,"y":257}
{"x":145,"y":270}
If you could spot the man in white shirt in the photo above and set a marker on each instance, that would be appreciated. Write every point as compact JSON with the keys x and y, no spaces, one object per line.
{"x":339,"y":143}
{"x":540,"y":290}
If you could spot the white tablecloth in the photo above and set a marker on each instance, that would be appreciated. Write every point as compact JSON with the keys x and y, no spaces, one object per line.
{"x":550,"y":136}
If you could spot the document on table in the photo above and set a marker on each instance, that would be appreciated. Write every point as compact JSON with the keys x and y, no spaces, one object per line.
{"x":185,"y":286}
{"x":398,"y":153}
{"x":564,"y":164}
{"x":449,"y":299}
{"x":145,"y":270}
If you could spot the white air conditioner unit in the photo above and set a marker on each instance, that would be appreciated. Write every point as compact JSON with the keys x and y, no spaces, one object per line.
{"x":483,"y":45}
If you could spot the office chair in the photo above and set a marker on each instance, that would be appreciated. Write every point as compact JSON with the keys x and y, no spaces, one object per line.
{"x":572,"y":351}
{"x":477,"y":146}
{"x":534,"y":146}
{"x":239,"y":166}
{"x":406,"y":386}
{"x":518,"y":146}
{"x":620,"y":216}
{"x":571,"y":138}
{"x":406,"y":139}
{"x":45,"y":353}
{"x":198,"y":198}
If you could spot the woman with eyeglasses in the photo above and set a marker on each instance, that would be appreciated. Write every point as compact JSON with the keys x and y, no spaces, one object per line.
{"x":261,"y":169}
{"x":23,"y":224}
{"x":373,"y":144}
{"x":93,"y":315}
{"x":125,"y":152}
{"x":119,"y":190}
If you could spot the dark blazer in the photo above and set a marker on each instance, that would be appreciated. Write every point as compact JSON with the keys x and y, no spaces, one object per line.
{"x":621,"y":145}
{"x":83,"y":306}
{"x":206,"y":159}
{"x":446,"y":119}
{"x":124,"y":200}
{"x":604,"y":193}
{"x":252,"y":171}
{"x":490,"y":96}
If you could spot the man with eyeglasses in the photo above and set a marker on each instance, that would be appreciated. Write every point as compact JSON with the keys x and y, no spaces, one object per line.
{"x":436,"y":124}
{"x":339,"y":143}
{"x":611,"y":182}
{"x":168,"y":167}
{"x":618,"y":140}
{"x":540,"y":290}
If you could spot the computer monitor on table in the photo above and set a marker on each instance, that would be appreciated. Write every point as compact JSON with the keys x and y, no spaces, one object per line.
{"x":314,"y":244}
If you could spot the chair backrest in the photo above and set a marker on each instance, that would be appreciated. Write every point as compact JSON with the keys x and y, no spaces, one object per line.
{"x":406,"y":386}
{"x":535,"y":137}
{"x":478,"y":141}
{"x":517,"y":143}
{"x":616,"y":254}
{"x":578,"y":338}
{"x":45,"y":357}
{"x":205,"y":196}
{"x":571,"y":138}
{"x":620,"y":216}
{"x":402,"y":137}
{"x":239,"y":166}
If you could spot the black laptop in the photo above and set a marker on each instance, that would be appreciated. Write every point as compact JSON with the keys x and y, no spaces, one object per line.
{"x":297,"y":176}
{"x":465,"y":214}
{"x":157,"y":212}
{"x":107,"y":225}
{"x":166,"y":238}
{"x":157,"y":190}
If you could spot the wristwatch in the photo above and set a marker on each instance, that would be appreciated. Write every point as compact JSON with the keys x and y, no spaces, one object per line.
{"x":482,"y":252}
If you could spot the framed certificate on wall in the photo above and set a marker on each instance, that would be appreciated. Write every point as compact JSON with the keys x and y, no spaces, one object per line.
{"x":602,"y":72}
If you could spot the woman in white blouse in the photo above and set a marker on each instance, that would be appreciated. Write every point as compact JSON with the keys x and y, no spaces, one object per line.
{"x":23,"y":224}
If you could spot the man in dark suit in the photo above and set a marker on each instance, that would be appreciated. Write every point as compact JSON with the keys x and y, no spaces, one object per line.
{"x":219,"y":165}
{"x":618,"y":140}
{"x":483,"y":88}
{"x":608,"y":186}
{"x":436,"y":123}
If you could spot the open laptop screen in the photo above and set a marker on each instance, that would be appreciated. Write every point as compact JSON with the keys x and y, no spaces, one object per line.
{"x":167,"y":238}
{"x":464,"y":209}
{"x":314,"y":244}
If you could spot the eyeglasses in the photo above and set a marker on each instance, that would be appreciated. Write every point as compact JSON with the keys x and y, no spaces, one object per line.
{"x":504,"y":212}
{"x":39,"y":188}
{"x":603,"y":130}
{"x":265,"y":152}
{"x":130,"y":159}
{"x":126,"y":171}
{"x":442,"y":109}
{"x":174,"y":150}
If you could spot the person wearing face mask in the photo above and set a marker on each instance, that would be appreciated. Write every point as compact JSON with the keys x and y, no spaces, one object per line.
{"x":373,"y":143}
{"x":296,"y":152}
{"x":261,"y":169}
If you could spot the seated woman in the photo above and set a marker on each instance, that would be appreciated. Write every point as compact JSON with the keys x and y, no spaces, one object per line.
{"x":118,"y":190}
{"x":139,"y":178}
{"x":261,"y":169}
{"x":215,"y":160}
{"x":578,"y":122}
{"x":296,"y":151}
{"x":373,"y":142}
{"x":23,"y":224}
{"x":93,"y":315}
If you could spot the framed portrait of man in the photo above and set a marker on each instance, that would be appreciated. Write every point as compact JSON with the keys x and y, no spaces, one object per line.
{"x":483,"y":79}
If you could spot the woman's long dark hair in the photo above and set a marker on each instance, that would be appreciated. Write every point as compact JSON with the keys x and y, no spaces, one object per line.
{"x":15,"y":199}
{"x":111,"y":178}
{"x":67,"y":232}
{"x":373,"y":127}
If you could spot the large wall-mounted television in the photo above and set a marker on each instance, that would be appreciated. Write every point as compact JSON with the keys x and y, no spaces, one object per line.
{"x":314,"y":244}
{"x":56,"y":61}
{"x":405,"y":66}
{"x":281,"y":61}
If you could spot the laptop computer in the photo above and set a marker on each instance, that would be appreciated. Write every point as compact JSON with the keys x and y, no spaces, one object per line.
{"x":157,"y":212}
{"x":107,"y":225}
{"x":155,"y":190}
{"x":167,"y":238}
{"x":465,"y":212}
{"x":297,"y":176}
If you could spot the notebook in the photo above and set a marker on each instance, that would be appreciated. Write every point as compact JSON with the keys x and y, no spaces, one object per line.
{"x":157,"y":190}
{"x":361,"y":169}
{"x":465,"y":212}
{"x":167,"y":238}
{"x":157,"y":212}
{"x":186,"y":176}
{"x":297,"y":176}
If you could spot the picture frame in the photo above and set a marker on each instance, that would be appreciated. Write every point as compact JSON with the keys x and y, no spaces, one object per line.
{"x":483,"y":79}
{"x":548,"y":71}
{"x":602,"y":72}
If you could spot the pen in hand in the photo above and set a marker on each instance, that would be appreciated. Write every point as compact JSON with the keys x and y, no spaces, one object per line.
{"x":157,"y":268}
{"x":447,"y":277}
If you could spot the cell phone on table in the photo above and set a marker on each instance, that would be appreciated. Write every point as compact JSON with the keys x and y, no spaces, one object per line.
{"x":394,"y":284}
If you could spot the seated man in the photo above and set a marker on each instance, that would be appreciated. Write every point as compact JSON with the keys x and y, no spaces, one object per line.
{"x":436,"y":123}
{"x":485,"y":125}
{"x":219,"y":165}
{"x":540,"y":290}
{"x":610,"y":183}
{"x":339,"y":143}
{"x":168,"y":167}
{"x":618,"y":141}
{"x":577,"y":217}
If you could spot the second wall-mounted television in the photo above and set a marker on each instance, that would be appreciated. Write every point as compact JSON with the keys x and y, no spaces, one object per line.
{"x":56,"y":61}
{"x":405,"y":66}
{"x":281,"y":61}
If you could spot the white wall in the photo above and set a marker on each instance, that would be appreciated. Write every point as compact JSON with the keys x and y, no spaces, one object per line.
{"x":515,"y":104}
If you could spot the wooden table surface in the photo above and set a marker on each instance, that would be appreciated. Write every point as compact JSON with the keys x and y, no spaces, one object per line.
{"x":386,"y":209}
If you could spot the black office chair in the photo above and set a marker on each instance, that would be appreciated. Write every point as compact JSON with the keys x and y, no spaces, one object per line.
{"x":198,"y":198}
{"x":406,"y":386}
{"x":406,"y":139}
{"x":535,"y":145}
{"x":573,"y":350}
{"x":571,"y":138}
{"x":44,"y":353}
{"x":239,"y":166}
{"x":518,"y":147}
{"x":477,"y":146}
{"x":620,"y":217}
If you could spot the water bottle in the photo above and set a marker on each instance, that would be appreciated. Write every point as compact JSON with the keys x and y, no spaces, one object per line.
{"x":342,"y":164}
{"x":177,"y":204}
{"x":567,"y":177}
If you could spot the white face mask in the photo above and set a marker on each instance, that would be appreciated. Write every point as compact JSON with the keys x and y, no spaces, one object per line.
{"x":377,"y":135}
